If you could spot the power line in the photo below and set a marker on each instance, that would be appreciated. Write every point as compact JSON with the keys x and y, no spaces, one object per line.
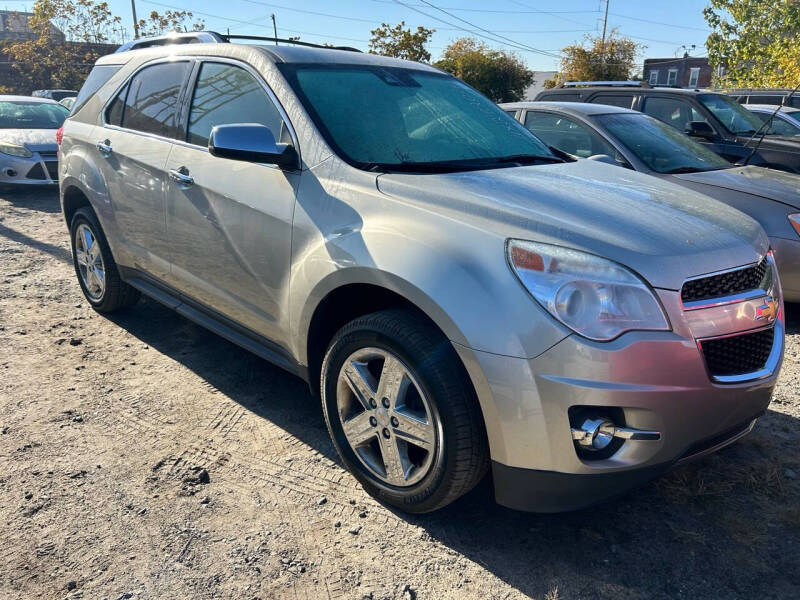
{"x":494,"y":37}
{"x":660,"y":23}
{"x":490,"y":10}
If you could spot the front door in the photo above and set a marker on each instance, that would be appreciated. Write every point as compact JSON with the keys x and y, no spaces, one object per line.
{"x":132,"y":146}
{"x":229,"y":222}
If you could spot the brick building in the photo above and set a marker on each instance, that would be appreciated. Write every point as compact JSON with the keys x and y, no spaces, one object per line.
{"x":687,"y":72}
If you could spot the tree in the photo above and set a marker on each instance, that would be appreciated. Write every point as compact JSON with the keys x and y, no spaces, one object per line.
{"x":500,"y":75}
{"x":755,"y":43}
{"x":596,"y":60}
{"x":399,"y":42}
{"x":62,"y":48}
{"x":171,"y":20}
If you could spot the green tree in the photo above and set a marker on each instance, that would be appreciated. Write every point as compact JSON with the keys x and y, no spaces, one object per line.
{"x":62,"y":47}
{"x":172,"y":20}
{"x":755,"y":43}
{"x":596,"y":60}
{"x":500,"y":75}
{"x":400,"y":42}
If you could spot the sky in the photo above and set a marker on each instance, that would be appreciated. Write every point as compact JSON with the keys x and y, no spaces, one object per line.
{"x":535,"y":29}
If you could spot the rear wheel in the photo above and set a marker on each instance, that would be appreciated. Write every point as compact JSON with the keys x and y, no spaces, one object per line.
{"x":401,"y":411}
{"x":95,"y":267}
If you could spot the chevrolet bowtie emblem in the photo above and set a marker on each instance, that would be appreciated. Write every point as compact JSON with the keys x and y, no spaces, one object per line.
{"x":767,"y":311}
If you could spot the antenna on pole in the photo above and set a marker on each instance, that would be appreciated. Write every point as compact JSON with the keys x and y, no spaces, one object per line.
{"x":603,"y":43}
{"x":135,"y":22}
{"x":274,"y":28}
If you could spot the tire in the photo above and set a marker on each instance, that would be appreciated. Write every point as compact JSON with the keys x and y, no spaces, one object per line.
{"x":429,"y":412}
{"x":108,"y":293}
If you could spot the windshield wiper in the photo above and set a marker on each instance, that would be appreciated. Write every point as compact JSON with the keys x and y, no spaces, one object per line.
{"x":454,"y":166}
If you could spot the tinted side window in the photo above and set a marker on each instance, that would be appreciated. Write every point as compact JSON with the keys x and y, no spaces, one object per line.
{"x":559,"y":97}
{"x":621,"y":100}
{"x":152,"y":98}
{"x":671,"y":111}
{"x":97,"y":78}
{"x":114,"y":110}
{"x":567,"y":135}
{"x":226,"y":94}
{"x":765,"y":99}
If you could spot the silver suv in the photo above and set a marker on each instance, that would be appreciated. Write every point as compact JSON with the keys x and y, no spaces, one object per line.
{"x":459,"y":296}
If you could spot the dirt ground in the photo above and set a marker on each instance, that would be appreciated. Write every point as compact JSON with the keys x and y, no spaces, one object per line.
{"x":143,"y":457}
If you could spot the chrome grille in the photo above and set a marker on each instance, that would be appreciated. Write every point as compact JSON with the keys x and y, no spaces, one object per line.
{"x":725,"y":284}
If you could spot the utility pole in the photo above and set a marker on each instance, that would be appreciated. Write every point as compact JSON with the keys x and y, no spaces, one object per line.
{"x":135,"y":22}
{"x":602,"y":44}
{"x":274,"y":28}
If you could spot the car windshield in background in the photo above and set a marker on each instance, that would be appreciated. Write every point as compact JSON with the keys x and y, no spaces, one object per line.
{"x":409,"y":120}
{"x":733,"y":116}
{"x":778,"y":126}
{"x":31,"y":115}
{"x":661,"y":147}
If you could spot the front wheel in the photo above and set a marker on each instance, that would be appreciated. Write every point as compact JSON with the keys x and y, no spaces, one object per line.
{"x":401,"y":411}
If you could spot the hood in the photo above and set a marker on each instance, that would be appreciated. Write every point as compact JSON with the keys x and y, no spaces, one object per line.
{"x":663,"y":231}
{"x":758,"y":181}
{"x":35,"y":140}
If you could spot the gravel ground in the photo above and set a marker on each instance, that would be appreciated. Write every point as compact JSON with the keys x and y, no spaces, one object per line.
{"x":143,"y":457}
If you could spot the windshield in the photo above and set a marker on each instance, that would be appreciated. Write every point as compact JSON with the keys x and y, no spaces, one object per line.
{"x":402,"y":119}
{"x":783,"y":127}
{"x":661,"y":147}
{"x":31,"y":115}
{"x":733,"y":116}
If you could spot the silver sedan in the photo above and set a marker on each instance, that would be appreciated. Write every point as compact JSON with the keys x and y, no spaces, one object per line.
{"x":28,"y":148}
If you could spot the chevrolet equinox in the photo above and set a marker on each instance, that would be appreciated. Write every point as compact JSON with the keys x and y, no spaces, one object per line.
{"x":459,"y":296}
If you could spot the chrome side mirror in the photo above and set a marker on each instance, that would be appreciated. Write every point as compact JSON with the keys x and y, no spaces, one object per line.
{"x":253,"y":143}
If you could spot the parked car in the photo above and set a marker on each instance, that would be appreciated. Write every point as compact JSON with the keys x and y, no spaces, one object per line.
{"x":633,"y":140}
{"x":67,"y":102}
{"x":785,"y":123}
{"x":765,"y":96}
{"x":56,"y":95}
{"x":28,"y":140}
{"x":457,"y":294}
{"x":714,"y":120}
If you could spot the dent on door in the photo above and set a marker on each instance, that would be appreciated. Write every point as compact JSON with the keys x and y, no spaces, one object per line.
{"x":229,"y":225}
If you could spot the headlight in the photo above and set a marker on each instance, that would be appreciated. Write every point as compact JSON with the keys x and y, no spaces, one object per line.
{"x":795,"y":221}
{"x":594,"y":297}
{"x":14,"y":150}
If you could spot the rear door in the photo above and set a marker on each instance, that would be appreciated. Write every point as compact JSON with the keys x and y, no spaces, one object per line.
{"x":229,"y":222}
{"x":132,"y":147}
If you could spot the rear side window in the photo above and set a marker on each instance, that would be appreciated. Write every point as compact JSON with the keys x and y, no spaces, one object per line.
{"x":559,"y":97}
{"x":226,"y":94}
{"x":114,"y":110}
{"x":621,"y":100}
{"x":151,"y":101}
{"x":97,"y":79}
{"x":567,"y":135}
{"x":671,"y":111}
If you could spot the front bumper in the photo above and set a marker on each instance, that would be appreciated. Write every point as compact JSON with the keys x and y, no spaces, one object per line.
{"x":657,"y":380}
{"x":39,"y":169}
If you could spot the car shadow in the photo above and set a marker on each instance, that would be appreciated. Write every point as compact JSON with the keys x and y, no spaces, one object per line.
{"x":724,"y":525}
{"x":41,"y":198}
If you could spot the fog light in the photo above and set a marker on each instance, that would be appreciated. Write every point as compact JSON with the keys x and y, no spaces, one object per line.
{"x":10,"y":172}
{"x":595,"y":434}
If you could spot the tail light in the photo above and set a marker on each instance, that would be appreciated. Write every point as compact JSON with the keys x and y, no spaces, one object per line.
{"x":59,"y":135}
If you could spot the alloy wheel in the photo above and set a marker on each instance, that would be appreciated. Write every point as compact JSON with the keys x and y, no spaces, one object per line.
{"x":386,"y":417}
{"x":90,"y":262}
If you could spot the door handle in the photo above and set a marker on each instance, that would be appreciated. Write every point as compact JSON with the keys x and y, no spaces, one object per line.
{"x":105,"y":147}
{"x":181,"y":176}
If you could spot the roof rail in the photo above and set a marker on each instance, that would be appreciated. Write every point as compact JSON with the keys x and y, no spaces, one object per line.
{"x":192,"y":37}
{"x":567,"y":84}
{"x":261,"y":38}
{"x":205,"y":37}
